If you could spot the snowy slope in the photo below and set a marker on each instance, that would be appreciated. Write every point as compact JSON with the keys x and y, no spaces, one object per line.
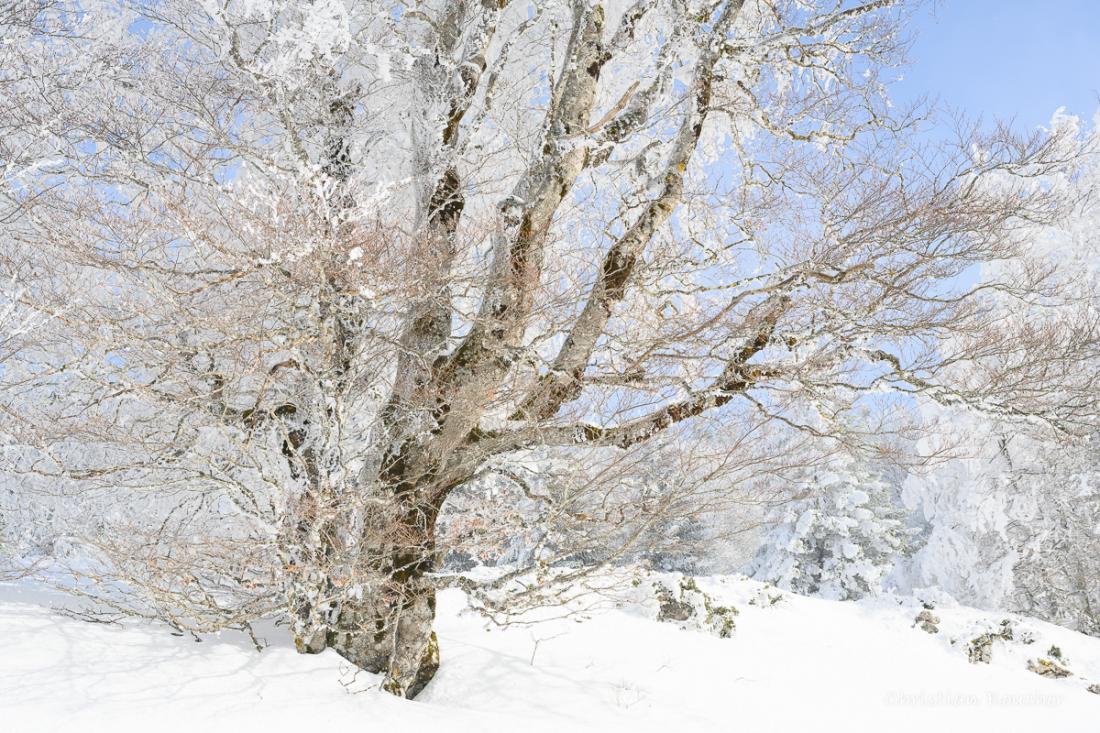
{"x":798,"y":662}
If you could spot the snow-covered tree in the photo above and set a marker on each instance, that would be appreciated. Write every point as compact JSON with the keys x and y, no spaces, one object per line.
{"x":1012,"y":524}
{"x":839,"y":538}
{"x":1009,"y":509}
{"x":301,"y":272}
{"x":1057,"y":571}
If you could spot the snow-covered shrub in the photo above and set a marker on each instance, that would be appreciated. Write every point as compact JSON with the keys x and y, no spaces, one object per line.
{"x":839,"y":539}
{"x":693,"y":608}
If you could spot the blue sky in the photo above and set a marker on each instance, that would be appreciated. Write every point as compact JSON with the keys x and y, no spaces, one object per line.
{"x":1007,"y":59}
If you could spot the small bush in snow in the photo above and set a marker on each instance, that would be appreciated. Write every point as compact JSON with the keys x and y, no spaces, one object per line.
{"x":694,"y":608}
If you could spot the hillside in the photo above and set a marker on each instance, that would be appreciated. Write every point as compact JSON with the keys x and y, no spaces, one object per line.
{"x":791,"y":661}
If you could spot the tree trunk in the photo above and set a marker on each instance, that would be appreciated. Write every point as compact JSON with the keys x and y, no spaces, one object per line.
{"x":388,"y":629}
{"x":391,"y":634}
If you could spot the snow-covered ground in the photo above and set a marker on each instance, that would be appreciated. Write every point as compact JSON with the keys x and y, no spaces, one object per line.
{"x":797,"y":662}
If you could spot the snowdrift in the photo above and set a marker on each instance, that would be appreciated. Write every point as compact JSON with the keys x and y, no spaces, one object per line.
{"x":788,"y":662}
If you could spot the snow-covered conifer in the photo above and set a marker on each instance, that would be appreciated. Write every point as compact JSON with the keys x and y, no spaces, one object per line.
{"x":838,"y":539}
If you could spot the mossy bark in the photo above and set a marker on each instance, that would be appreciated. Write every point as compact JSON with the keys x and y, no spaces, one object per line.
{"x":388,"y":629}
{"x":392,"y":636}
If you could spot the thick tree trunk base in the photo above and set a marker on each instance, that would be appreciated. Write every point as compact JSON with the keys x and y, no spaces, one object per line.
{"x":395,"y":639}
{"x":411,"y":683}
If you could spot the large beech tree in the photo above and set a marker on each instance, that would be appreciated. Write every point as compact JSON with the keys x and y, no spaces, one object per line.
{"x":287,"y":275}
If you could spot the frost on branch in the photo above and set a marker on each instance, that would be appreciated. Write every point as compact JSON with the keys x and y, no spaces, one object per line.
{"x":303,"y":289}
